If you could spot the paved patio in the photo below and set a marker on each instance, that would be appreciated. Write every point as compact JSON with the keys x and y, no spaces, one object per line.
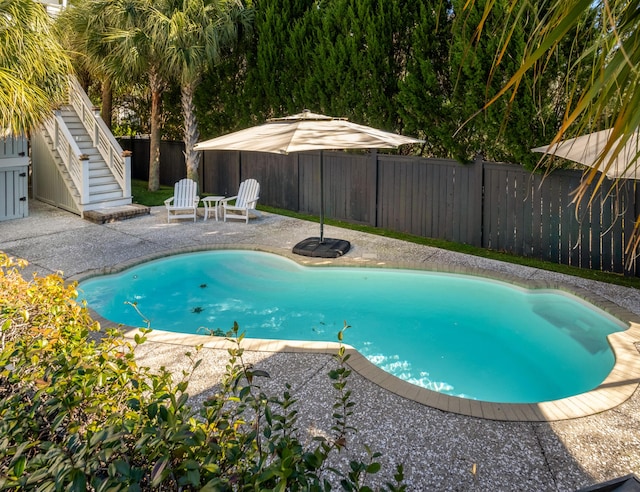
{"x":439,"y":450}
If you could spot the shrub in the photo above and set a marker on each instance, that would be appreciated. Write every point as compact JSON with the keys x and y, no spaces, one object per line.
{"x":77,"y":412}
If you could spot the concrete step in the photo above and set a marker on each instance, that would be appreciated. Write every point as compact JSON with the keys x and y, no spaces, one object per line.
{"x":116,"y":212}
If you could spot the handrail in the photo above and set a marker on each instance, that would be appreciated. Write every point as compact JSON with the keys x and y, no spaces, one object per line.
{"x":76,"y":163}
{"x":103,"y":139}
{"x":54,"y":7}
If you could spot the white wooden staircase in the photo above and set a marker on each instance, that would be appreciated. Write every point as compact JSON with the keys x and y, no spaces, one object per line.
{"x":76,"y":149}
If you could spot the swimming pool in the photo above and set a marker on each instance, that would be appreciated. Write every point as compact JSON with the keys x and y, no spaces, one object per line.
{"x":459,"y":335}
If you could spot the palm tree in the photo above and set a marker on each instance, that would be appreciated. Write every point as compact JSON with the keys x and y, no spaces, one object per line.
{"x":34,"y":67}
{"x":196,"y":34}
{"x":88,"y":61}
{"x":118,"y":36}
{"x":610,"y":96}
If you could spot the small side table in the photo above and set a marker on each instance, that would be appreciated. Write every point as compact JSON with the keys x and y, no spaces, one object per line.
{"x":211,"y":203}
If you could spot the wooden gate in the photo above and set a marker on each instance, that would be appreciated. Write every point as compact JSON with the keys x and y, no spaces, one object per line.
{"x":14,"y":180}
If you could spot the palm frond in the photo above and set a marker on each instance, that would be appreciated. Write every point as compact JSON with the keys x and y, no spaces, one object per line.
{"x":34,"y":66}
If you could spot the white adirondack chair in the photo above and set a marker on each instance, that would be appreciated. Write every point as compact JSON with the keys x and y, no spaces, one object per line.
{"x":184,"y":202}
{"x":245,"y":202}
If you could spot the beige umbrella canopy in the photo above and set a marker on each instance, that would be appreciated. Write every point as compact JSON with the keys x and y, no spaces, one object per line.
{"x":309,"y":131}
{"x":306,"y":131}
{"x":591,"y":150}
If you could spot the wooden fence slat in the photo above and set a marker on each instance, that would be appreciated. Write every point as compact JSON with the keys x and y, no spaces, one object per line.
{"x":610,"y":218}
{"x":475,"y":204}
{"x":420,"y":199}
{"x":460,"y":219}
{"x":536,"y":216}
{"x":510,"y":211}
{"x":629,"y":217}
{"x":597,"y":229}
{"x":430,"y":200}
{"x":527,"y":216}
{"x":502,"y":185}
{"x":566,"y":222}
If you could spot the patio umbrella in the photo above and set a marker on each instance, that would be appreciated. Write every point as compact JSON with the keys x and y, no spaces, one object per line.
{"x":588,"y":150}
{"x":309,"y":131}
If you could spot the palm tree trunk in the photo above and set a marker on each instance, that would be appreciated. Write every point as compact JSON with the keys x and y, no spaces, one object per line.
{"x":191,"y":134}
{"x":107,"y":102}
{"x":157,"y":87}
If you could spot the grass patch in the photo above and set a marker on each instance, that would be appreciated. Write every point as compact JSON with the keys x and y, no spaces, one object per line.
{"x":143,"y":196}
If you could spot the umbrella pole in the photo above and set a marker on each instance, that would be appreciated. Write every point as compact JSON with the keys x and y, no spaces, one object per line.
{"x":321,"y":197}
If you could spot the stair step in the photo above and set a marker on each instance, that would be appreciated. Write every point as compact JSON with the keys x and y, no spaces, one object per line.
{"x":104,"y":187}
{"x":98,"y":169}
{"x":106,"y":179}
{"x":100,"y":172}
{"x":95,"y":175}
{"x":85,"y":144}
{"x":104,"y":196}
{"x":91,"y":152}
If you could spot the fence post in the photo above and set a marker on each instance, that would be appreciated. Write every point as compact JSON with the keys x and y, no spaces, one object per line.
{"x":126,"y":156}
{"x":96,"y":128}
{"x":374,"y":197}
{"x":84,"y":176}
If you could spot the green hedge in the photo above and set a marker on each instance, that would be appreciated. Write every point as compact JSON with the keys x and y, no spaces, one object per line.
{"x":78,"y":413}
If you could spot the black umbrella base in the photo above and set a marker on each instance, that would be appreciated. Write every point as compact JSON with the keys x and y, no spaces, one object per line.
{"x":628,"y":483}
{"x":328,"y":248}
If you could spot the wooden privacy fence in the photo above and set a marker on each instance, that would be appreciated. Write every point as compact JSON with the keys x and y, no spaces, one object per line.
{"x":491,"y":205}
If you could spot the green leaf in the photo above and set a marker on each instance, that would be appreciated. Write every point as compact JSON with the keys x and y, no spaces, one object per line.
{"x":79,"y":482}
{"x":373,"y":467}
{"x":260,"y":373}
{"x":152,"y":409}
{"x":122,"y":467}
{"x":157,"y":473}
{"x":19,"y":465}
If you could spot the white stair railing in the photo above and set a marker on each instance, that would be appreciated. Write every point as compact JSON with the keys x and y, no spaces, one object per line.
{"x":117,"y":160}
{"x":76,"y":163}
{"x":54,"y":7}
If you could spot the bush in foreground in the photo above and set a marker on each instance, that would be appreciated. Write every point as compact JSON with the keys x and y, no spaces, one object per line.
{"x":80,"y":414}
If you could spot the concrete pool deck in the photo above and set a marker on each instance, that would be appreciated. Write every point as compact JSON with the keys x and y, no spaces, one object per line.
{"x":440,"y":450}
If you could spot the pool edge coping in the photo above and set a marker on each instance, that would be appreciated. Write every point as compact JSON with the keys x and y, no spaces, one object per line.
{"x":618,"y":387}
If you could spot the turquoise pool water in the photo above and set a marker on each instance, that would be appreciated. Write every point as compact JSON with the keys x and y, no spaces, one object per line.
{"x":460,"y":335}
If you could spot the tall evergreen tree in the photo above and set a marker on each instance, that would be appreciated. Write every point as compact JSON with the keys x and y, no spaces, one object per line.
{"x":424,"y":93}
{"x":273,"y":76}
{"x":471,"y":64}
{"x":359,"y":58}
{"x":483,"y":64}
